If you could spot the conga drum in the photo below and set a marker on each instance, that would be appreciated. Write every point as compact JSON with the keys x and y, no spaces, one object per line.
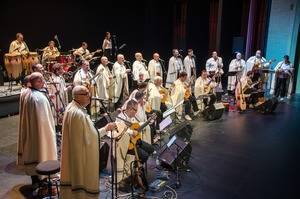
{"x":13,"y":65}
{"x":29,"y":60}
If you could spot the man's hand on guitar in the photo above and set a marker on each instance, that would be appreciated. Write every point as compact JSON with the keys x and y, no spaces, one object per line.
{"x":110,"y":126}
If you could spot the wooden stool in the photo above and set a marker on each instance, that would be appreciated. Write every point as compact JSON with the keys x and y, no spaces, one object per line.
{"x":49,"y":168}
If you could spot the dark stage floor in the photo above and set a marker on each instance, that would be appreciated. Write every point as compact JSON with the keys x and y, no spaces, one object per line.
{"x":246,"y":155}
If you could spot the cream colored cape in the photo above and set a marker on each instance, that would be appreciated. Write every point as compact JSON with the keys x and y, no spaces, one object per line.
{"x":119,"y":71}
{"x":79,"y":155}
{"x":37,"y":141}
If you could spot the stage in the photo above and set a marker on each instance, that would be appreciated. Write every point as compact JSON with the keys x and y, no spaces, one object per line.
{"x":247,"y":155}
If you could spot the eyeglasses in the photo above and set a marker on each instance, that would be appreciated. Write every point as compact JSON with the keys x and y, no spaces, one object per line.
{"x":86,"y":94}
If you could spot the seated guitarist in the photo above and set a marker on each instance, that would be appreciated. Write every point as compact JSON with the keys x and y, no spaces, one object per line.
{"x":204,"y":86}
{"x":182,"y":91}
{"x":144,"y":150}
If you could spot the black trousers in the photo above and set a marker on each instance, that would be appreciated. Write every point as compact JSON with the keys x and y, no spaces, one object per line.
{"x":280,"y":87}
{"x":144,"y":150}
{"x":188,"y":104}
{"x":209,"y":102}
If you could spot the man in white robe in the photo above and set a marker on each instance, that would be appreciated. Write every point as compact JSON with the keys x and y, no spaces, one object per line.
{"x":83,"y":77}
{"x":258,"y":59}
{"x":80,"y":149}
{"x":121,"y":84}
{"x":154,"y":67}
{"x":50,"y":53}
{"x":189,"y":64}
{"x":58,"y":92}
{"x":18,"y":46}
{"x":124,"y":156}
{"x":174,"y":68}
{"x":205,"y":86}
{"x":105,"y":81}
{"x":83,"y":52}
{"x":214,"y":66}
{"x":282,"y":79}
{"x":236,"y":65}
{"x":139,"y":67}
{"x":37,"y":139}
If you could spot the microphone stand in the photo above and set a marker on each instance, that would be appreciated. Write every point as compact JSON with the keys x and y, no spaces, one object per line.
{"x":162,"y":63}
{"x":113,"y":161}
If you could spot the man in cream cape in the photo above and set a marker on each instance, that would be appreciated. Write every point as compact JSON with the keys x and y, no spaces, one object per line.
{"x":154,"y":67}
{"x":37,"y":141}
{"x":121,"y":84}
{"x":174,"y":68}
{"x":80,"y":149}
{"x":238,"y":65}
{"x":105,"y":81}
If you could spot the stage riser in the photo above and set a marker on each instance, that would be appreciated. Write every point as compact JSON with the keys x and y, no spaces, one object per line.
{"x":9,"y":105}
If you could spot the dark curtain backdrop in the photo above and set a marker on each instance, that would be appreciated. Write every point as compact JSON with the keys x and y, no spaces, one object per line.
{"x":146,"y":26}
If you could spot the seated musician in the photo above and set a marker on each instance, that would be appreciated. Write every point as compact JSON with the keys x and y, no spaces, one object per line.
{"x":144,"y":150}
{"x":158,"y":95}
{"x":251,"y":94}
{"x":204,"y":89}
{"x":182,"y":91}
{"x":50,"y":53}
{"x":18,"y":46}
{"x":83,"y":52}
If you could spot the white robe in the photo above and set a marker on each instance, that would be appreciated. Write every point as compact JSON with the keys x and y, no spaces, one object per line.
{"x":37,"y":140}
{"x":138,"y":68}
{"x":235,"y":65}
{"x":104,"y":84}
{"x":79,"y":155}
{"x":16,"y":47}
{"x":199,"y":89}
{"x":60,"y":101}
{"x":154,"y":97}
{"x":214,"y":65}
{"x":175,"y":66}
{"x":154,"y":68}
{"x":119,"y":71}
{"x":189,"y":65}
{"x":289,"y":69}
{"x":252,"y":60}
{"x":177,"y":95}
{"x":123,"y":159}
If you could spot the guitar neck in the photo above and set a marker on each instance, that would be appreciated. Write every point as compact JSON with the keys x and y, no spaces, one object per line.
{"x":144,"y":124}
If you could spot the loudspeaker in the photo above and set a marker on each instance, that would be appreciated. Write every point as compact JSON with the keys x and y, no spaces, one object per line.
{"x":176,"y":152}
{"x":183,"y":130}
{"x":104,"y":151}
{"x":105,"y":119}
{"x":213,"y":112}
{"x":268,"y":106}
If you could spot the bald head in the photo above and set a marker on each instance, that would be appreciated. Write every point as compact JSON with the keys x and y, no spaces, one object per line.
{"x":138,"y":56}
{"x":104,"y":60}
{"x":156,"y":56}
{"x":120,"y":58}
{"x":81,"y":95}
{"x":36,"y":80}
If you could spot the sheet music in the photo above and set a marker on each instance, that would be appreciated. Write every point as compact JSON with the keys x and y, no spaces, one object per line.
{"x":166,"y":122}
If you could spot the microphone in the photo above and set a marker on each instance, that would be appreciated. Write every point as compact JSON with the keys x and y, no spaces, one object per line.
{"x":144,"y":60}
{"x":97,"y":98}
{"x":194,"y":56}
{"x":56,"y":38}
{"x":111,"y":63}
{"x":161,"y":60}
{"x":127,"y":62}
{"x":122,"y":46}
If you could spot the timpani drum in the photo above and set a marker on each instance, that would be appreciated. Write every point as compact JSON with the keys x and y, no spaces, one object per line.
{"x":29,"y":60}
{"x":13,"y":65}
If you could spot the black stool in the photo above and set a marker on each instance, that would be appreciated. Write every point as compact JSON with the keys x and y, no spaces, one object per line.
{"x":49,"y":168}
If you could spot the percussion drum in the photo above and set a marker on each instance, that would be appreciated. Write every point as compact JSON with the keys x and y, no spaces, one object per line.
{"x":29,"y":60}
{"x":13,"y":65}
